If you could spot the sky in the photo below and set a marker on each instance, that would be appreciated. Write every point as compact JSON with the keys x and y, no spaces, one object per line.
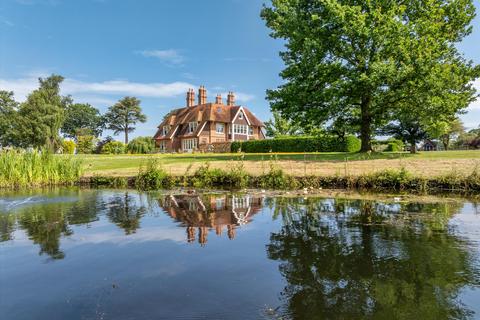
{"x":152,"y":49}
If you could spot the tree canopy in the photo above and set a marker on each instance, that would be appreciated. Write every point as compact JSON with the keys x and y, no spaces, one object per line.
{"x":82,"y":119}
{"x":123,"y":116}
{"x":371,"y":61}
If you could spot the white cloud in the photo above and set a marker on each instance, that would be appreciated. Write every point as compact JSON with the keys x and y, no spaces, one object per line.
{"x":240,"y":96}
{"x":170,"y":56}
{"x":23,"y":86}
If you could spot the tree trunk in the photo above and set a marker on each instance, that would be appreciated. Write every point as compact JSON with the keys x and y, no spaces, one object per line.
{"x":446,"y":142}
{"x":413,"y":147}
{"x":126,"y":136}
{"x":365,"y":125}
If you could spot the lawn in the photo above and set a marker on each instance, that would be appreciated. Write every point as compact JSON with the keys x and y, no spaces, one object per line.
{"x":335,"y":163}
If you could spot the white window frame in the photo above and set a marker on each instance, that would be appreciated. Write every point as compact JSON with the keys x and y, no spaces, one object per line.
{"x":163,"y":146}
{"x":240,"y":129}
{"x":240,"y":115}
{"x":219,"y":125}
{"x":189,"y":144}
{"x":250,"y":130}
{"x":165,"y":130}
{"x":192,"y":126}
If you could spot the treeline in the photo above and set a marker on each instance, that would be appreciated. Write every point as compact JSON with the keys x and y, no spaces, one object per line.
{"x":51,"y":121}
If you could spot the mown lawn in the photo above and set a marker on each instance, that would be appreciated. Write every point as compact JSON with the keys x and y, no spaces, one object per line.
{"x":423,"y":163}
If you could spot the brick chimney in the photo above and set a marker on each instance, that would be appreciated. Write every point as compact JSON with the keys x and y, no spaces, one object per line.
{"x":230,"y":99}
{"x":218,"y":99}
{"x":202,"y":95}
{"x":190,"y":98}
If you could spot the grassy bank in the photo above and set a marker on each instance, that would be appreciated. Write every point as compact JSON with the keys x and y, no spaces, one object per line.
{"x":30,"y":169}
{"x":425,"y":164}
{"x":153,"y":176}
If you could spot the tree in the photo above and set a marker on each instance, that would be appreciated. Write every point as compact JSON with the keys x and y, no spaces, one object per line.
{"x":122,"y":116}
{"x":446,"y":131}
{"x":82,"y":119}
{"x":371,"y":59}
{"x":408,"y":129}
{"x":141,"y":145}
{"x":8,"y":108}
{"x":41,"y":116}
{"x":279,"y":126}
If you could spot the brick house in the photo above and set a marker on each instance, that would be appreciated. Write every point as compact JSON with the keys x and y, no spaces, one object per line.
{"x":204,"y":125}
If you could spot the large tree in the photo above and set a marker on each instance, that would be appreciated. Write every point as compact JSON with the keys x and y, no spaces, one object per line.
{"x":446,"y":131}
{"x":41,"y":116}
{"x":279,"y":126}
{"x":8,"y":108}
{"x":123,"y":116}
{"x":82,"y":119}
{"x":371,"y":59}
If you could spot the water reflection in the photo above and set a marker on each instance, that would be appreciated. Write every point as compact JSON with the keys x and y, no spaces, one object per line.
{"x":199,"y":214}
{"x":341,"y":259}
{"x":328,"y":258}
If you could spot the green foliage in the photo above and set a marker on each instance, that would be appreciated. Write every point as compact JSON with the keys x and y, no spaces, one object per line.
{"x":153,"y":176}
{"x":276,"y":178}
{"x":123,"y":116}
{"x":114,"y":147}
{"x":206,"y":177}
{"x":141,"y":145}
{"x":371,"y":61}
{"x":298,"y":144}
{"x":38,"y":168}
{"x":41,"y":116}
{"x":113,"y":182}
{"x":279,"y":126}
{"x":86,"y":144}
{"x":8,"y":107}
{"x":394,"y":145}
{"x":82,"y":119}
{"x":68,"y":146}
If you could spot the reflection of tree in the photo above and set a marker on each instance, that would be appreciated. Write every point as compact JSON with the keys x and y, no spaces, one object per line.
{"x":7,"y":226}
{"x":347,"y":261}
{"x":125,"y":213}
{"x":45,"y":225}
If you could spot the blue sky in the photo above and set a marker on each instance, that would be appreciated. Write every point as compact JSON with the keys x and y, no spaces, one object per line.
{"x":152,"y":49}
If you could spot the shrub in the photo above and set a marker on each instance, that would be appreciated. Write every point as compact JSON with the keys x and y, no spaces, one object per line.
{"x":299,"y":144}
{"x":276,"y":178}
{"x":153,"y":176}
{"x":85,"y":144}
{"x":68,"y":146}
{"x":102,"y":143}
{"x":394,"y":145}
{"x":114,"y":147}
{"x":141,"y":145}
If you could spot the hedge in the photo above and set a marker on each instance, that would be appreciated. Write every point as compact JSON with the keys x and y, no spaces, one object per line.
{"x":299,"y":144}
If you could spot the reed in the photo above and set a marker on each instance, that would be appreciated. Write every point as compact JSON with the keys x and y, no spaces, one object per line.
{"x":20,"y":168}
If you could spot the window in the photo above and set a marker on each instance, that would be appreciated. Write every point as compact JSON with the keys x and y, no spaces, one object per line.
{"x":192,"y":126}
{"x":189,"y":144}
{"x":163,"y":146}
{"x":165,"y":130}
{"x":220,"y":127}
{"x":240,"y":129}
{"x":250,"y":130}
{"x":240,"y":116}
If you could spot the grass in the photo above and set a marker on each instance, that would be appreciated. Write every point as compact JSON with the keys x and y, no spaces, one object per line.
{"x":423,"y":164}
{"x":36,"y":168}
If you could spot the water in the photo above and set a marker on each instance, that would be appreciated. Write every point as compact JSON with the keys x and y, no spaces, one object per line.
{"x":100,"y":254}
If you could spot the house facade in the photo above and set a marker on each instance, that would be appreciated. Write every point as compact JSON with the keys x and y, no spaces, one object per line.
{"x":203,"y":125}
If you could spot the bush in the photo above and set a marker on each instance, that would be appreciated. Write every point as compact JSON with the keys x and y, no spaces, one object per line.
{"x":153,"y":176}
{"x":68,"y":146}
{"x":102,"y":143}
{"x":141,"y":145}
{"x":394,"y":145}
{"x":114,"y":147}
{"x":299,"y":144}
{"x":86,"y":144}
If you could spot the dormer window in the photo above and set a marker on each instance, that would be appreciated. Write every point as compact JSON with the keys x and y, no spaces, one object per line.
{"x":240,"y":116}
{"x":165,"y":130}
{"x":192,"y":126}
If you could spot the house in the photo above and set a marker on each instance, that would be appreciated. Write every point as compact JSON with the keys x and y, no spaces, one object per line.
{"x":202,"y":125}
{"x":429,"y":145}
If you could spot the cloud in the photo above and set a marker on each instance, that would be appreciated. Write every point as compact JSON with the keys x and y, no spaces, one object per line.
{"x":170,"y":56}
{"x":241,"y":97}
{"x":23,"y":86}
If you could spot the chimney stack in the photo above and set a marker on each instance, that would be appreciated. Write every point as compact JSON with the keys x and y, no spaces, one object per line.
{"x":218,"y":100}
{"x":190,"y":98}
{"x":202,"y":95}
{"x":230,"y":99}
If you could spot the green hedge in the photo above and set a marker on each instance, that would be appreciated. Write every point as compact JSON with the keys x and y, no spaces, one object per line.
{"x":299,"y":144}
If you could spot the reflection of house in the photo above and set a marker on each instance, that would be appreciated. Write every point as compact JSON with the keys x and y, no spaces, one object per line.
{"x":215,"y":212}
{"x":203,"y":125}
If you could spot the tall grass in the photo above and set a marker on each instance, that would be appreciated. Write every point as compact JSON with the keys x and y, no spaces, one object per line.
{"x":37,"y":168}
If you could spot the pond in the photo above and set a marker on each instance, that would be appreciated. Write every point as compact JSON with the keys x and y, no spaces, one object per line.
{"x":122,"y":254}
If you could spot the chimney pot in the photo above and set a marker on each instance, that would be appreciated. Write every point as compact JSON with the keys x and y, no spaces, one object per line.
{"x":230,"y":99}
{"x":202,"y":95}
{"x":218,"y":100}
{"x":190,"y":98}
